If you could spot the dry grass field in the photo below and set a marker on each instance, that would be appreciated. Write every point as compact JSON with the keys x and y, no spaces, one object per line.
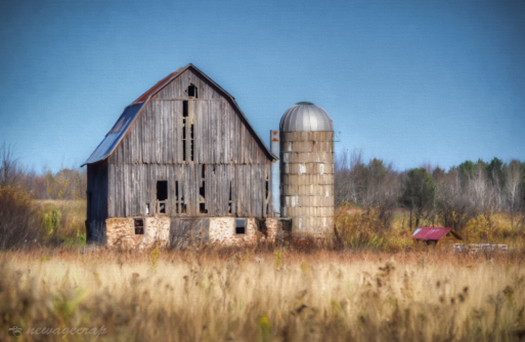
{"x":265,"y":294}
{"x":372,"y":284}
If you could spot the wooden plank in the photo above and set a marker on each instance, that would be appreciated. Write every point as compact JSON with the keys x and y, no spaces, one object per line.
{"x":198,"y":132}
{"x":222,"y":146}
{"x":227,"y":133}
{"x":218,"y":134}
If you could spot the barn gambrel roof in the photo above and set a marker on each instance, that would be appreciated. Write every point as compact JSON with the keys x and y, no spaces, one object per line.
{"x":131,"y":112}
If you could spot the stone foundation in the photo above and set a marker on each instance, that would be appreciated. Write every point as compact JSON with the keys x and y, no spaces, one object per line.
{"x":222,"y":232}
{"x":120,"y":233}
{"x":272,"y":229}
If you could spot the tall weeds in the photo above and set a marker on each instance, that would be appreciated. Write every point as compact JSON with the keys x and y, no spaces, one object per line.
{"x":17,"y":218}
{"x":243,"y":296}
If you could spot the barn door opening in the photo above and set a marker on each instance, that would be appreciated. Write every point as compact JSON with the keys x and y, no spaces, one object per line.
{"x":162,"y":196}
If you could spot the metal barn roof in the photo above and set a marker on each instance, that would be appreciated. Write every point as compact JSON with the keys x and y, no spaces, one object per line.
{"x":432,"y":233}
{"x":113,"y":138}
{"x":306,"y":117}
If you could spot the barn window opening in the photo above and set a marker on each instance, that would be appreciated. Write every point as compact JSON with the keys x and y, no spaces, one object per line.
{"x":182,"y":204}
{"x":184,"y":140}
{"x":240,"y":226}
{"x":230,"y":200}
{"x":192,"y":91}
{"x":184,"y":109}
{"x":162,"y":190}
{"x":267,"y":198}
{"x":179,"y":199}
{"x":162,"y":196}
{"x":192,"y":141}
{"x":202,"y":191}
{"x":267,"y":183}
{"x":202,"y":198}
{"x":139,"y":226}
{"x":177,"y":196}
{"x":147,"y":208}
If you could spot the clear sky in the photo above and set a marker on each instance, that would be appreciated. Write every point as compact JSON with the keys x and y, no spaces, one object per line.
{"x":410,"y":82}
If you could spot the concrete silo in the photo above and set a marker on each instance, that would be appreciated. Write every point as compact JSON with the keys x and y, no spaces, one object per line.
{"x":307,"y":169}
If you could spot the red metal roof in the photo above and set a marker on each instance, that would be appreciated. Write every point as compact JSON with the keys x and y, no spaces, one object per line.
{"x":430,"y":233}
{"x":156,"y":87}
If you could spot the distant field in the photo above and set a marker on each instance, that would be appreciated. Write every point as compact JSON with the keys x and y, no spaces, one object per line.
{"x":362,"y":227}
{"x":258,"y":295}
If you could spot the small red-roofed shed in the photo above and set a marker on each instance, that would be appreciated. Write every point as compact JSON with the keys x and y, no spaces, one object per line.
{"x":436,"y":235}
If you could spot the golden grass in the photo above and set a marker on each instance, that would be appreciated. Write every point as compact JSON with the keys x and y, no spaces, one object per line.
{"x":257,"y":295}
{"x":362,"y":228}
{"x":71,"y":215}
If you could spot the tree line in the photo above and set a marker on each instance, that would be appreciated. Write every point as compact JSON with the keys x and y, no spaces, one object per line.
{"x":431,"y":194}
{"x":20,"y":218}
{"x":67,"y":184}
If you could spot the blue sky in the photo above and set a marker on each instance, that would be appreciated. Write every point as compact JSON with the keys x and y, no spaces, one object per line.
{"x":410,"y":82}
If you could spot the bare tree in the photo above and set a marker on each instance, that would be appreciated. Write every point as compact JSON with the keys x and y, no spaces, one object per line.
{"x":512,"y":173}
{"x":9,"y":169}
{"x":453,"y":205}
{"x":348,"y":176}
{"x":478,"y":187}
{"x":17,"y":218}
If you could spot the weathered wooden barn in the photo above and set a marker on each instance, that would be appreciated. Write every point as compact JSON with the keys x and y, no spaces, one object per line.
{"x":181,"y":160}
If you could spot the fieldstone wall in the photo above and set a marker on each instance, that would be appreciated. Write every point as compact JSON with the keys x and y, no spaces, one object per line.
{"x":272,"y":228}
{"x":120,"y":233}
{"x":222,"y":231}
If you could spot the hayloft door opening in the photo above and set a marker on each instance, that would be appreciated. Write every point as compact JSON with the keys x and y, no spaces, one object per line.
{"x":162,"y":196}
{"x":192,"y":91}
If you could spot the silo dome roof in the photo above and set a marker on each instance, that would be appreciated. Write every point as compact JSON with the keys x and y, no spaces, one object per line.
{"x":306,"y":117}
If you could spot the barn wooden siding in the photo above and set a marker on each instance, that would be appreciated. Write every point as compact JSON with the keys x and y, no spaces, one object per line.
{"x":97,"y":200}
{"x":184,"y":231}
{"x":134,"y":185}
{"x":307,"y":176}
{"x":221,"y":156}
